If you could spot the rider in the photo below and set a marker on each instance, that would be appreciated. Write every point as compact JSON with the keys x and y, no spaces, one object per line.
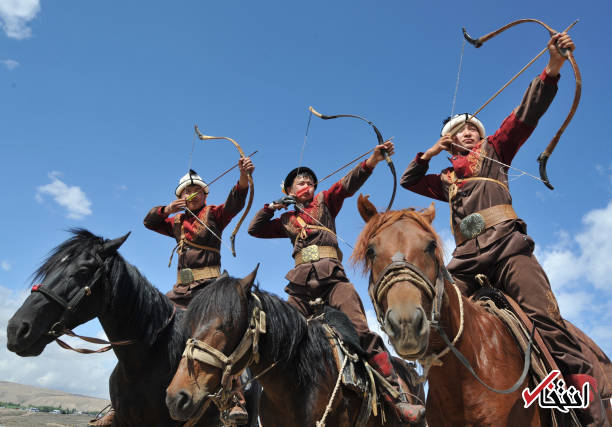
{"x":490,"y":238}
{"x":318,"y":273}
{"x":199,"y":256}
{"x":199,"y":245}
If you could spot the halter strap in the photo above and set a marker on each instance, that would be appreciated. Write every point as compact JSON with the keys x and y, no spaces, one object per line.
{"x":205,"y":353}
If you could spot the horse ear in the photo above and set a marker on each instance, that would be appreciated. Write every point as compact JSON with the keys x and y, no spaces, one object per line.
{"x":366,"y":209}
{"x":429,"y":213}
{"x":110,"y":246}
{"x":224,"y":274}
{"x":248,"y":281}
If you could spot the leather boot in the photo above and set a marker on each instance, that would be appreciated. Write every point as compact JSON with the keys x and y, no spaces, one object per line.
{"x":594,"y":414}
{"x":405,"y":411}
{"x":238,"y":413}
{"x":106,"y":420}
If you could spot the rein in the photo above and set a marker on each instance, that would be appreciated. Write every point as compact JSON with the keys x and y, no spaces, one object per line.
{"x":401,"y":270}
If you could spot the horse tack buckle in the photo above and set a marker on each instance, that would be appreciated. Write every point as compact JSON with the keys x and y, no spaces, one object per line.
{"x":186,"y":276}
{"x":472,"y":225}
{"x":310,"y":253}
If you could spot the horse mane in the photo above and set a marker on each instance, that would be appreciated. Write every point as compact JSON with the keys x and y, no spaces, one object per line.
{"x":293,"y":343}
{"x":130,"y":292}
{"x":382,"y":220}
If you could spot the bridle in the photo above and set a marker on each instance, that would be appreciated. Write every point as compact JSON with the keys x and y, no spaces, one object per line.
{"x":202,"y":352}
{"x":70,"y":306}
{"x":59,"y":328}
{"x":400,"y":270}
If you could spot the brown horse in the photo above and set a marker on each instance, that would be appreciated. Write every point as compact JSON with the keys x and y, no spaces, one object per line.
{"x":292,"y":359}
{"x":403,"y":254}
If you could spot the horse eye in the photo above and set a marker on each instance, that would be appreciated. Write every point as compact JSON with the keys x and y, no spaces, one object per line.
{"x":370,"y":253}
{"x":82,"y":273}
{"x":431,"y":247}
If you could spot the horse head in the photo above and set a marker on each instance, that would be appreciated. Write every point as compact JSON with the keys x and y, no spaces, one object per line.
{"x":224,"y":323}
{"x":71,"y":292}
{"x":403,"y":254}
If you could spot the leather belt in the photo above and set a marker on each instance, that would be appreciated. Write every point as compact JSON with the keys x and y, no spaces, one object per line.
{"x":187,"y":276}
{"x":314,"y":253}
{"x":476,"y":223}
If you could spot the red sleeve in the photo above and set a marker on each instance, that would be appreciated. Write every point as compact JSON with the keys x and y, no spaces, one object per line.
{"x":416,"y":180}
{"x":157,"y":221}
{"x":509,"y":138}
{"x":223,"y":214}
{"x":519,"y":125}
{"x":346,"y":187}
{"x":264,"y":227}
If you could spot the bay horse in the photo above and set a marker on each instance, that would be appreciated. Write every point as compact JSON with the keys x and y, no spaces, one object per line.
{"x":85,"y":277}
{"x":404,"y":256}
{"x":292,"y":359}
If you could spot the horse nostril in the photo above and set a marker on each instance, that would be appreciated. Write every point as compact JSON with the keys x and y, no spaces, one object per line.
{"x":23,"y":331}
{"x":420,"y":326}
{"x":390,"y":326}
{"x":183,"y":400}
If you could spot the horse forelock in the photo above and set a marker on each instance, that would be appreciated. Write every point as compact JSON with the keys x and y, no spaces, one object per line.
{"x":383,"y":220}
{"x":82,"y":240}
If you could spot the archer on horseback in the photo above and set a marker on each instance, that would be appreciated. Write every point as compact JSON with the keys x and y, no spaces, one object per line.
{"x":318,"y":276}
{"x":198,"y":231}
{"x":490,"y":238}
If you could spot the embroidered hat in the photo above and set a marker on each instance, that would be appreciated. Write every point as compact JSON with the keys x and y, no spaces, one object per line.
{"x":451,"y":124}
{"x":191,"y":178}
{"x":302,"y":170}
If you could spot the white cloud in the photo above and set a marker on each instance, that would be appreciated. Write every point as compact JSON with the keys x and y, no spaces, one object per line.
{"x":580,"y":272}
{"x":572,"y":304}
{"x":15,"y":16}
{"x":10,"y":64}
{"x":55,"y":368}
{"x":72,"y":198}
{"x":584,"y":258}
{"x":5,"y":265}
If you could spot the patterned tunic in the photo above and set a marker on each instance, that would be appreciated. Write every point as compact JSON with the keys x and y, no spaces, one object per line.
{"x":324,"y":207}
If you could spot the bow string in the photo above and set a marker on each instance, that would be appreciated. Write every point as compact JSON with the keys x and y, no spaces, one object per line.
{"x":379,"y":138}
{"x":545,"y":155}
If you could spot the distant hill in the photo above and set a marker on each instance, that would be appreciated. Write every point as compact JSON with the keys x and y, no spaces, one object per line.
{"x":36,"y":396}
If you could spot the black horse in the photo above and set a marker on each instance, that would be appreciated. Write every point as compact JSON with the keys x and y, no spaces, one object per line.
{"x":85,"y":277}
{"x":295,"y":366}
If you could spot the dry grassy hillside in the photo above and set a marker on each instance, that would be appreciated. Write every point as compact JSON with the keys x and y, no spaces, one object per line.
{"x":35,"y":396}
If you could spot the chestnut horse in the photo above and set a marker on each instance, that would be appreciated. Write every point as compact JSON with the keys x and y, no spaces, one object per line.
{"x":291,"y":357}
{"x":85,"y":277}
{"x":404,"y":256}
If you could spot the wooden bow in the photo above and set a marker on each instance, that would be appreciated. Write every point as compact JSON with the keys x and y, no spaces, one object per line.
{"x":542,"y":158}
{"x":250,"y":179}
{"x":380,"y":142}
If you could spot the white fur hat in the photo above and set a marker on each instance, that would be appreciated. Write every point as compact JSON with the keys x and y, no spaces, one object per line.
{"x":191,"y":178}
{"x":460,"y":120}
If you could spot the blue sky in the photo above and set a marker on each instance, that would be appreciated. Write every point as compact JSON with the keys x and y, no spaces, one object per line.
{"x":99,"y":99}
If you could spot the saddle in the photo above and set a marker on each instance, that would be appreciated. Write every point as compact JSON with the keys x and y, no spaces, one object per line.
{"x":355,"y":373}
{"x":518,"y":323}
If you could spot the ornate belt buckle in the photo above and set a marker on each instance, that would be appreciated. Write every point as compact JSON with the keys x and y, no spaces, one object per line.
{"x":186,"y":276}
{"x":472,"y":225}
{"x":310,"y":253}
